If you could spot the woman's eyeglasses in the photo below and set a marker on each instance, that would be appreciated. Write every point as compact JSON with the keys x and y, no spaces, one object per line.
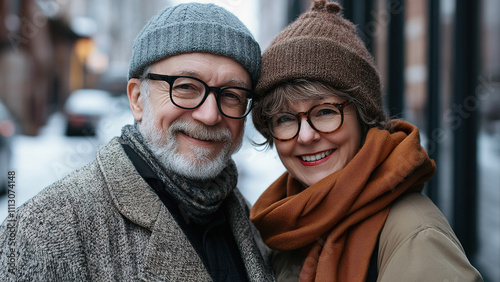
{"x":324,"y":118}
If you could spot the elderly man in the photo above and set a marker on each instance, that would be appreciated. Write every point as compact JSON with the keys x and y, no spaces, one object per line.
{"x":159,"y":203}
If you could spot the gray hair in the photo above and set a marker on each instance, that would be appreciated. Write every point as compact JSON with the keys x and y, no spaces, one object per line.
{"x":145,"y":81}
{"x":144,"y":88}
{"x":295,"y":90}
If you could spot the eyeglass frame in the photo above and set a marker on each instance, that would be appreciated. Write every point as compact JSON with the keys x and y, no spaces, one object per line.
{"x":208,"y":89}
{"x":340,"y":106}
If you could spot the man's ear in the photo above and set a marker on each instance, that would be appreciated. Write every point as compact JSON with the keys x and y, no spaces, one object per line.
{"x":135,"y":99}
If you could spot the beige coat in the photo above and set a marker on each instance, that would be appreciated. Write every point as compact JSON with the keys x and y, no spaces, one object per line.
{"x":104,"y":223}
{"x":416,"y":244}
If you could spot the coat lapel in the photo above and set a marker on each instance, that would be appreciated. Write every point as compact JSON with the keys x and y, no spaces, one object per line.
{"x":246,"y":235}
{"x":169,"y":256}
{"x":130,"y":194}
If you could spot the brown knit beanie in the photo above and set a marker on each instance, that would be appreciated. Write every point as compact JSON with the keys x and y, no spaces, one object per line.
{"x":323,"y":46}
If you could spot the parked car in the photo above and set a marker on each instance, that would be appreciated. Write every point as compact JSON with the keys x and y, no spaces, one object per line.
{"x":7,"y":130}
{"x":84,"y":109}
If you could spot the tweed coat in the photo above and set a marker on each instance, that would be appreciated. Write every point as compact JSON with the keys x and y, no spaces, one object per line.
{"x":104,"y":223}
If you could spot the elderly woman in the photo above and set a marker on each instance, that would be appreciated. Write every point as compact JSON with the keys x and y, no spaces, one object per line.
{"x":349,"y":207}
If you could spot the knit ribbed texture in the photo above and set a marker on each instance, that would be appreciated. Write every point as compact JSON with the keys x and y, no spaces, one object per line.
{"x":323,"y":46}
{"x":195,"y":27}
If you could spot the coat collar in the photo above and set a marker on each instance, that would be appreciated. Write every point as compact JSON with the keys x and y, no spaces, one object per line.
{"x":169,"y":254}
{"x":130,"y":194}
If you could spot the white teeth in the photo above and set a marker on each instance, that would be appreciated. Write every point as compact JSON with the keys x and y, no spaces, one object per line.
{"x":316,"y":157}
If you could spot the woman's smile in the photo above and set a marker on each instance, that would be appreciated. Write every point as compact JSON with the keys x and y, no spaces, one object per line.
{"x":316,"y":158}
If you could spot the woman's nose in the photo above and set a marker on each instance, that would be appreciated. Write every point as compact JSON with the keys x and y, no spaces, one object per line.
{"x":307,"y":133}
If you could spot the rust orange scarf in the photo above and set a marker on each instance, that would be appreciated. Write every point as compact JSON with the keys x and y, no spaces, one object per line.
{"x":337,"y":220}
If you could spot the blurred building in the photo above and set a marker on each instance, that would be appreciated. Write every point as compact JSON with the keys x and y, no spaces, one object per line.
{"x":26,"y":62}
{"x":48,"y":48}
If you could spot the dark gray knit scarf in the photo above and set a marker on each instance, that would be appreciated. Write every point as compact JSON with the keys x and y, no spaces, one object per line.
{"x":198,"y":199}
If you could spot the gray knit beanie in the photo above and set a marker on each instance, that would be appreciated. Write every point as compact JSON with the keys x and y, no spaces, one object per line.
{"x":195,"y":27}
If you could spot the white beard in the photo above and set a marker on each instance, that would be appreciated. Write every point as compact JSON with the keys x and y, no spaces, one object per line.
{"x":201,"y":164}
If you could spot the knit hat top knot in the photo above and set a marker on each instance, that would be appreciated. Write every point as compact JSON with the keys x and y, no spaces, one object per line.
{"x":331,"y":7}
{"x":321,"y":45}
{"x":195,"y":27}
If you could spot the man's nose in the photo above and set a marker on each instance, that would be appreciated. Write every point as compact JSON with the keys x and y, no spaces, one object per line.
{"x":208,"y":113}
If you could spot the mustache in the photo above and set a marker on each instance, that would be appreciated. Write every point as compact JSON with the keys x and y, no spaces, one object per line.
{"x":200,"y":131}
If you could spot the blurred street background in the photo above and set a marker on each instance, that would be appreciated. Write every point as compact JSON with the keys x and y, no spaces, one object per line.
{"x":63,"y":75}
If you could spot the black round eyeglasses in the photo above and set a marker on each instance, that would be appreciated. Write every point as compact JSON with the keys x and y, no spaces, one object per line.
{"x":189,"y":93}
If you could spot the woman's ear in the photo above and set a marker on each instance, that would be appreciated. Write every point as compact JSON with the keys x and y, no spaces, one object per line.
{"x":135,"y":99}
